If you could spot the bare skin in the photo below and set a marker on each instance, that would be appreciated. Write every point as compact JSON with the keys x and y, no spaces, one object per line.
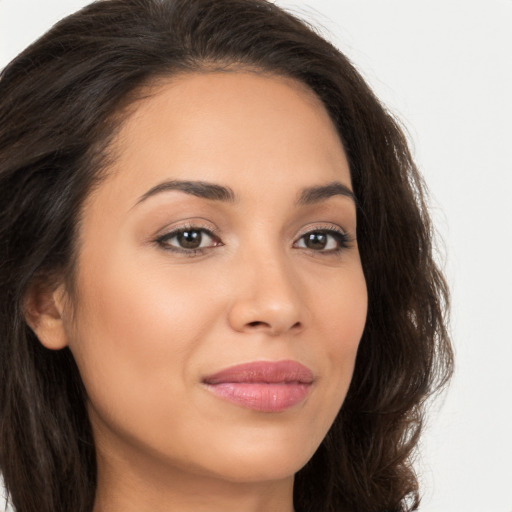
{"x":275,"y":275}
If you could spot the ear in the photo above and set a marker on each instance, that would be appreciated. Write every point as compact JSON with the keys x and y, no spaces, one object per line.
{"x":44,"y":313}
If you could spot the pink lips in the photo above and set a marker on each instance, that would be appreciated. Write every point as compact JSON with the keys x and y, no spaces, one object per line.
{"x":263,"y":385}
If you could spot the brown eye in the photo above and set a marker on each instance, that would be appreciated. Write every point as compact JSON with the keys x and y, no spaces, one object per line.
{"x":323,"y":241}
{"x":188,"y":239}
{"x":316,"y":241}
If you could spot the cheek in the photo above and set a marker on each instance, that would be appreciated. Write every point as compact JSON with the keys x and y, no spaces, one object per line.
{"x":341,"y":308}
{"x":341,"y":313}
{"x":136,"y":332}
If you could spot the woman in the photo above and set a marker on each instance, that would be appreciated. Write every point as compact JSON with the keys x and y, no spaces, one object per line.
{"x":218,"y":290}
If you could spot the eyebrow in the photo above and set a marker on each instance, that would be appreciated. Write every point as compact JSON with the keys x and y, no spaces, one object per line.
{"x":195,"y":188}
{"x":319,"y":193}
{"x":212,"y":191}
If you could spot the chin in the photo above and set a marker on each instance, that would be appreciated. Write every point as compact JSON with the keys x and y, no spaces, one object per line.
{"x":258,"y":460}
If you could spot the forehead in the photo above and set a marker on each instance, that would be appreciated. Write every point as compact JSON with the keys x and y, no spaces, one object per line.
{"x":235,"y":128}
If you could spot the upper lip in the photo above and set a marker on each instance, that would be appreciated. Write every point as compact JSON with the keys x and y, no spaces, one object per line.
{"x":266,"y":372}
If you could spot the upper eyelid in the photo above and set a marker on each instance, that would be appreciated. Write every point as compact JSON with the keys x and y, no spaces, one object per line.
{"x":211,"y":230}
{"x":174,"y":232}
{"x":196,"y":226}
{"x":324,"y":227}
{"x":335,"y":232}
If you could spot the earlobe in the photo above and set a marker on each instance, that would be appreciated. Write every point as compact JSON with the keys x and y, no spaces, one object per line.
{"x":44,"y":313}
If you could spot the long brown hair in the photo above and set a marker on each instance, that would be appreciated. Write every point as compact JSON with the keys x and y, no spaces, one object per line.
{"x":61,"y":101}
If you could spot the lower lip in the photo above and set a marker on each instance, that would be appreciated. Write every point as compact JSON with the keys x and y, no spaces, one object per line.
{"x":272,"y":397}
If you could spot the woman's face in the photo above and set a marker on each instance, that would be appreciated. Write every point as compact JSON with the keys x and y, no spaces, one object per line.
{"x":224,"y":235}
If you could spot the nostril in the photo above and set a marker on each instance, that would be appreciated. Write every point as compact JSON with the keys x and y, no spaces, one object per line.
{"x":257,"y":324}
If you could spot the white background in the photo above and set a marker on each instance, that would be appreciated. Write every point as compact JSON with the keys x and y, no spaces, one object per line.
{"x":445,"y":68}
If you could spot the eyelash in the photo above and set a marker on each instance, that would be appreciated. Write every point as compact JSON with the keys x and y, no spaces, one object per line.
{"x":341,"y":238}
{"x":163,"y":241}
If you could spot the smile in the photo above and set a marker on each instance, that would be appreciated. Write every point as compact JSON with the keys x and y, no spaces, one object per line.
{"x":262,"y":386}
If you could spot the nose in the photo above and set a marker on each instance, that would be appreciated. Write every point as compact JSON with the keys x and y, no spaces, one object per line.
{"x":267,"y":299}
